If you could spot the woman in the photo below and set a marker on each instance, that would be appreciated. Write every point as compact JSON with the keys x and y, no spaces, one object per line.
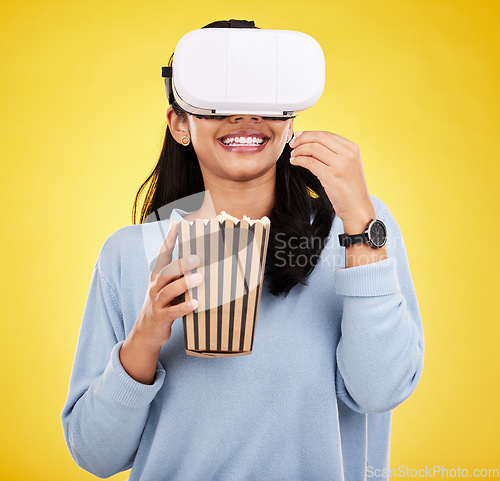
{"x":339,"y":342}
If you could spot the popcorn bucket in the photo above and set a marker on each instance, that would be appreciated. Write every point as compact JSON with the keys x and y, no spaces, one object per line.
{"x":233,"y":258}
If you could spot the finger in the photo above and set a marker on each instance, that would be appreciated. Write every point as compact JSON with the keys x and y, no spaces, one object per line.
{"x":314,"y":149}
{"x":178,"y":287}
{"x":165,"y":255}
{"x":330,"y":140}
{"x":333,"y":142}
{"x":173,"y":271}
{"x":182,"y":309}
{"x":338,"y":137}
{"x":318,"y":168}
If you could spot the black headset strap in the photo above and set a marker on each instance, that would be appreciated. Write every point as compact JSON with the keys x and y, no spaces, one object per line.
{"x":241,"y":24}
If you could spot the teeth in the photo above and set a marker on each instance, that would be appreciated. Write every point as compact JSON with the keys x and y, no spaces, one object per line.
{"x":242,"y":141}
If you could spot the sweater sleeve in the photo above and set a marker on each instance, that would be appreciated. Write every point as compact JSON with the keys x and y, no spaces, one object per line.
{"x":381,"y":348}
{"x":106,"y":410}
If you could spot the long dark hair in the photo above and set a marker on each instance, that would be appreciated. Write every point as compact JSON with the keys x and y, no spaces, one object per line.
{"x":299,"y":196}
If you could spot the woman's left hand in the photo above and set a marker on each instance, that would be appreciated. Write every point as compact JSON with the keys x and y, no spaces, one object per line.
{"x":336,"y":162}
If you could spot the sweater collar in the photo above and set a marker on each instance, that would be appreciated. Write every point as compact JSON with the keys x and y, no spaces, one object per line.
{"x":178,"y":214}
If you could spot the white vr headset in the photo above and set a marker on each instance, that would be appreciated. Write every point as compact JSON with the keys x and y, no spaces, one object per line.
{"x":217,"y":72}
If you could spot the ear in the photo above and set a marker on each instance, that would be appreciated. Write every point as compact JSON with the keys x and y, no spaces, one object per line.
{"x":178,"y":128}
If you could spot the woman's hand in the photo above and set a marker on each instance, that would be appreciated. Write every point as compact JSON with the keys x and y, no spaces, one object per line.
{"x":163,"y":300}
{"x":336,"y":162}
{"x":162,"y":305}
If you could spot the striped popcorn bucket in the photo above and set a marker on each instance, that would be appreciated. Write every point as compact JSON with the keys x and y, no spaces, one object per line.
{"x":233,"y":258}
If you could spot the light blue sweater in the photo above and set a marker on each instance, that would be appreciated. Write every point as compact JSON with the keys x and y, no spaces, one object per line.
{"x":312,"y":402}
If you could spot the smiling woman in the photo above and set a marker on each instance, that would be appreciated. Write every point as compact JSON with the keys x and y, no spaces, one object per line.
{"x":336,"y":348}
{"x":238,"y":159}
{"x":242,"y":182}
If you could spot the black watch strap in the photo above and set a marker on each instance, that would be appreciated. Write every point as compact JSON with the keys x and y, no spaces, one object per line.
{"x":347,"y":240}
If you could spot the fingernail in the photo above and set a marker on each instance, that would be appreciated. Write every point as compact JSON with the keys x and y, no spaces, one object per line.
{"x":193,"y":260}
{"x":298,"y":133}
{"x":197,"y":277}
{"x":193,"y":303}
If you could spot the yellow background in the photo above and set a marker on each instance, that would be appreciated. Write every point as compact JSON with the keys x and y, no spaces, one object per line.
{"x":413,"y":83}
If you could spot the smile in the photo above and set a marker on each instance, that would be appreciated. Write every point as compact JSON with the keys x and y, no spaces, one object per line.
{"x":243,"y":141}
{"x":237,"y":141}
{"x":239,"y":146}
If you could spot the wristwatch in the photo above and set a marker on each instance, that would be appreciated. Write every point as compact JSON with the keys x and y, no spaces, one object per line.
{"x":375,"y":235}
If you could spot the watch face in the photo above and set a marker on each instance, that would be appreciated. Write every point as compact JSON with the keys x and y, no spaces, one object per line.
{"x":377,"y":233}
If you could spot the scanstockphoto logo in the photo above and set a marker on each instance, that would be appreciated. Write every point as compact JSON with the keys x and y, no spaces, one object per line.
{"x":440,"y":472}
{"x":295,"y":251}
{"x":233,"y":257}
{"x":230,"y":255}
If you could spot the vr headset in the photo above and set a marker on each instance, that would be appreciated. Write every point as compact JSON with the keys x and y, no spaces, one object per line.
{"x":216,"y":72}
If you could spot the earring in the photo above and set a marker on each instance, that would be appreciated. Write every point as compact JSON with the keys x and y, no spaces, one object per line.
{"x":185,"y":140}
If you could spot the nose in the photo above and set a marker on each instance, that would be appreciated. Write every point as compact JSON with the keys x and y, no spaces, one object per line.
{"x":240,"y":117}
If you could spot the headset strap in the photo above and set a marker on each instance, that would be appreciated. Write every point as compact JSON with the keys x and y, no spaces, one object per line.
{"x":241,"y":24}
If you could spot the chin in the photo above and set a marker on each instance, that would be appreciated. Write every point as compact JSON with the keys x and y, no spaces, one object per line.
{"x":244,"y":174}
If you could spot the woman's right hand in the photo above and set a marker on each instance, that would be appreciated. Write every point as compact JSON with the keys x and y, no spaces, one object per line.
{"x":162,"y":305}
